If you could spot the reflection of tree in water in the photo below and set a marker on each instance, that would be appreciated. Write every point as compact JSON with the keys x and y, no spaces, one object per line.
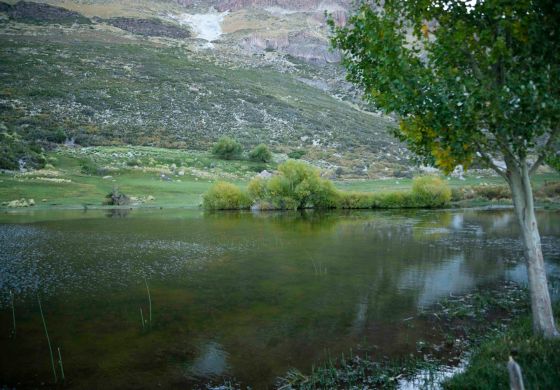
{"x":118,"y":213}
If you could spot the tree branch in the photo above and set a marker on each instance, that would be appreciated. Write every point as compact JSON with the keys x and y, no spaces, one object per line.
{"x":544,"y":150}
{"x":488,"y":159}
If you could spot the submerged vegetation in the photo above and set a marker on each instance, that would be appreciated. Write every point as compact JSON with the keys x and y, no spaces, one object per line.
{"x":463,"y":322}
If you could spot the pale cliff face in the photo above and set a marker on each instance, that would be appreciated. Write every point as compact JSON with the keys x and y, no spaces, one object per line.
{"x":294,"y":27}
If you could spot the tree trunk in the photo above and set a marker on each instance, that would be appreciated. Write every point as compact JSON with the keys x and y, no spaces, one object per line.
{"x":522,"y":195}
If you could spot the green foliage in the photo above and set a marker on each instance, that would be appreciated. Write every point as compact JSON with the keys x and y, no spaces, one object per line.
{"x":296,"y":154}
{"x":427,"y":192}
{"x":477,"y":79}
{"x":14,"y":148}
{"x":89,"y":167}
{"x":554,"y":161}
{"x":116,"y":198}
{"x":549,"y":190}
{"x":225,"y":196}
{"x":258,"y":188}
{"x":355,"y":200}
{"x":227,"y":149}
{"x":491,"y":192}
{"x":296,"y":186}
{"x":260,"y":153}
{"x":430,"y":191}
{"x":396,"y":200}
{"x":539,"y":360}
{"x":58,"y":136}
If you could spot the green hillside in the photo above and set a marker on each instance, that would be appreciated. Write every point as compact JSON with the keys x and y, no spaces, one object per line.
{"x":100,"y":85}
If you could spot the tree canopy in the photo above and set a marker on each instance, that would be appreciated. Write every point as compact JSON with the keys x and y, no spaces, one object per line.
{"x":479,"y":80}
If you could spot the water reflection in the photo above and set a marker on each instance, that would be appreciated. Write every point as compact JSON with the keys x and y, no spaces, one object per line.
{"x":266,"y":291}
{"x":211,"y":361}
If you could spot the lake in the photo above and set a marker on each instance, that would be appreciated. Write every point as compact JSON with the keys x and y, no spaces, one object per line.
{"x":235,"y":295}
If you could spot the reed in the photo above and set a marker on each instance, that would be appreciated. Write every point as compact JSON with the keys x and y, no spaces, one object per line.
{"x":48,"y":340}
{"x":149,"y":303}
{"x":61,"y":365}
{"x":13,"y":314}
{"x":142,"y":319}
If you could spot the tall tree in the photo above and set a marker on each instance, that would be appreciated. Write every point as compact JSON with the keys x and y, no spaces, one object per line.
{"x":476,"y":80}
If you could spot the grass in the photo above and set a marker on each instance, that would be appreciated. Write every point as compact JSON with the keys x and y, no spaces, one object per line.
{"x":461,"y":321}
{"x":199,"y":171}
{"x":136,"y":170}
{"x":539,"y":360}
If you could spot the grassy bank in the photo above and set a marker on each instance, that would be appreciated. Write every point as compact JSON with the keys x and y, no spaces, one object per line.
{"x":482,"y":327}
{"x":179,"y":178}
{"x":539,"y":360}
{"x":84,"y":176}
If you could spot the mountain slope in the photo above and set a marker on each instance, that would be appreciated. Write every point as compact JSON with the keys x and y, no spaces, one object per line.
{"x":100,"y":84}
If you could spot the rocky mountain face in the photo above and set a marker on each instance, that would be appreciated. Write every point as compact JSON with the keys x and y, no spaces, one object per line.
{"x":28,"y":11}
{"x":181,"y":73}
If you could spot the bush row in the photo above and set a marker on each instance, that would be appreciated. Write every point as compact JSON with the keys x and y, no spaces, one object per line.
{"x":298,"y":185}
{"x":229,"y":149}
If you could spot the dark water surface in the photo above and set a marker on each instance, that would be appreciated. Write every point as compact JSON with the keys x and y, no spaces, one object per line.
{"x":235,"y":294}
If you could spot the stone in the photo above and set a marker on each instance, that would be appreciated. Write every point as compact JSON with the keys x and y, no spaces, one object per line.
{"x":265,"y":175}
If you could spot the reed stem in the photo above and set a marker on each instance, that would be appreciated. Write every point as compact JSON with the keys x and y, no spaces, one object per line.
{"x":13,"y":314}
{"x":142,"y":318}
{"x":149,"y":302}
{"x":48,"y":340}
{"x":60,"y":363}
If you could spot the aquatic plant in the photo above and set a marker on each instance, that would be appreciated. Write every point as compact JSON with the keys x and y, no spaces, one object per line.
{"x":61,"y":365}
{"x":13,"y":314}
{"x":149,"y":303}
{"x":48,"y":340}
{"x":142,"y":319}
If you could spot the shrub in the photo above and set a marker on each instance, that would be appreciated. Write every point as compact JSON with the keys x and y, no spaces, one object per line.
{"x":549,"y":190}
{"x":430,"y":191}
{"x":296,"y":154}
{"x":258,"y":188}
{"x":260,"y":153}
{"x":227,"y":149}
{"x":491,"y":192}
{"x":394,"y":200}
{"x":296,"y":186}
{"x":301,"y":183}
{"x":14,"y":148}
{"x":89,"y":167}
{"x":116,"y":198}
{"x":355,"y":200}
{"x":225,"y":196}
{"x":57,"y":136}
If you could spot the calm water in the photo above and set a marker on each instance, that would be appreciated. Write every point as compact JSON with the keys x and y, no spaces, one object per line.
{"x":235,"y":294}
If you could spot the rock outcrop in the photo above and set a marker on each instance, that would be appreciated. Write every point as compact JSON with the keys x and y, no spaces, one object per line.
{"x":39,"y":12}
{"x":148,"y":27}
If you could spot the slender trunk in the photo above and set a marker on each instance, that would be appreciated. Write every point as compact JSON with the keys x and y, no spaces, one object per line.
{"x":522,"y":194}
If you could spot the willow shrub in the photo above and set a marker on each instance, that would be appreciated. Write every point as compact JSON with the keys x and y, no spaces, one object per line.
{"x":226,"y":196}
{"x":430,"y":191}
{"x":427,"y":192}
{"x":296,"y":186}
